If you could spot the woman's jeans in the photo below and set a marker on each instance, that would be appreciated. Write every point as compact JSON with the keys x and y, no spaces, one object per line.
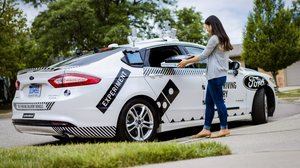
{"x":214,"y":96}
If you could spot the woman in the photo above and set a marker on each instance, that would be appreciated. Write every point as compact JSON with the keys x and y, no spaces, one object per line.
{"x":217,"y":66}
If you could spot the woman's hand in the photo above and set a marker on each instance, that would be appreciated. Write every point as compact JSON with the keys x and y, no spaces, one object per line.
{"x":182,"y":63}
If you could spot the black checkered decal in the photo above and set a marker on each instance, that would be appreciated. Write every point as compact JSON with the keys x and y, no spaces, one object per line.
{"x":173,"y":71}
{"x":88,"y":132}
{"x":49,"y":105}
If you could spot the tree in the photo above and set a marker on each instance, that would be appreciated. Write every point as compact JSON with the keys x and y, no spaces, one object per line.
{"x":296,"y":12}
{"x":12,"y":30}
{"x":16,"y":45}
{"x":296,"y":16}
{"x":88,"y":24}
{"x":66,"y":26}
{"x":138,"y":12}
{"x":189,"y":26}
{"x":37,"y":3}
{"x":188,"y":23}
{"x":83,"y":24}
{"x":270,"y":37}
{"x":12,"y":25}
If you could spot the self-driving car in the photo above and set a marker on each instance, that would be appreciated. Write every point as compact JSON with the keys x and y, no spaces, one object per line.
{"x":133,"y":92}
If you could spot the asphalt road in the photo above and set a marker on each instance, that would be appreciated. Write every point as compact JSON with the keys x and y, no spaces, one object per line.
{"x":9,"y":137}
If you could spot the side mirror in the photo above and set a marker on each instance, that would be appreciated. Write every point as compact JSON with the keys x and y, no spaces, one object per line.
{"x":235,"y":65}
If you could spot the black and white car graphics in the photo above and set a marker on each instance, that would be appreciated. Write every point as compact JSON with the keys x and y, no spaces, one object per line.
{"x":132,"y":93}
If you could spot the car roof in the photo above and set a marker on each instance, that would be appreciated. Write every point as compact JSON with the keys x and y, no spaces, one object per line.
{"x":159,"y":42}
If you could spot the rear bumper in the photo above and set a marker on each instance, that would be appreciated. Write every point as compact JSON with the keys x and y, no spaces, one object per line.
{"x":41,"y":123}
{"x":59,"y":128}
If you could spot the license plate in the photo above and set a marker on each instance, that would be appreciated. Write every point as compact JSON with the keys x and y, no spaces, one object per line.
{"x":35,"y":90}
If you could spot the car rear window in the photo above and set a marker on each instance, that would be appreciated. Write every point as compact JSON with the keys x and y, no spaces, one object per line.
{"x":87,"y":58}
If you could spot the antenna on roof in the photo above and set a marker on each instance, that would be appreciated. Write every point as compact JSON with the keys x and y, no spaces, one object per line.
{"x":167,"y":25}
{"x":133,"y":38}
{"x":168,"y":32}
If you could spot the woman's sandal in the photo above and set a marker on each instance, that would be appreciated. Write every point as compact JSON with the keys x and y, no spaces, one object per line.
{"x":201,"y":135}
{"x":220,"y":134}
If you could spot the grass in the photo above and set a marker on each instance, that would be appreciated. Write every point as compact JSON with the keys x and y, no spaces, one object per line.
{"x":291,"y":94}
{"x":106,"y":155}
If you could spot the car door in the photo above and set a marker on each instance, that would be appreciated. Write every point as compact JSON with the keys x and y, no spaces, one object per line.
{"x":178,"y":90}
{"x":234,"y":93}
{"x":201,"y":65}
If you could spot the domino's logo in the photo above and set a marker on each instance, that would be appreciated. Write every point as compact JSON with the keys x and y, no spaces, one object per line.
{"x":167,"y":96}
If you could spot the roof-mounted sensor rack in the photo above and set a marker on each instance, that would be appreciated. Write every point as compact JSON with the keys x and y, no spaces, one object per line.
{"x":168,"y":34}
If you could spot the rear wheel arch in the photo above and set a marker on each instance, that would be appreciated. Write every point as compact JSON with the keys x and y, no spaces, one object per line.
{"x":150,"y":100}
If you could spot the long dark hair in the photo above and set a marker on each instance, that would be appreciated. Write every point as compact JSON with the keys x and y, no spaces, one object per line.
{"x":218,"y":30}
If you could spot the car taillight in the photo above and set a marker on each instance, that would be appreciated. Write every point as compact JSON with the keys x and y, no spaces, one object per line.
{"x":17,"y":84}
{"x":73,"y":79}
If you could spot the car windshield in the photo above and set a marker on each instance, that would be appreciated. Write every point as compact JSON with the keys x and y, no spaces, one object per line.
{"x":87,"y":58}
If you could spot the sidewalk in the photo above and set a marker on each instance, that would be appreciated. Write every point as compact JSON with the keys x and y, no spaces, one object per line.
{"x":259,"y":160}
{"x":271,"y":145}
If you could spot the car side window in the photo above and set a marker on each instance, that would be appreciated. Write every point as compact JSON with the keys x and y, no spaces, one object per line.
{"x":159,"y":54}
{"x":134,"y":58}
{"x":197,"y":51}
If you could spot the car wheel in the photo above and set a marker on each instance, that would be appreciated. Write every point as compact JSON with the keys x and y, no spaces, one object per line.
{"x":138,"y":121}
{"x":260,"y":108}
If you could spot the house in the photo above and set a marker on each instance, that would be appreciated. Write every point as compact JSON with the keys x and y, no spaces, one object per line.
{"x":285,"y":77}
{"x":235,"y":54}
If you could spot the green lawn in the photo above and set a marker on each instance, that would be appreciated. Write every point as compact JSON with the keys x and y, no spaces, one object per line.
{"x":291,"y":94}
{"x":106,"y":155}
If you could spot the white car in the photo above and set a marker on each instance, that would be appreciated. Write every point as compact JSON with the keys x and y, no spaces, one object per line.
{"x":133,"y":92}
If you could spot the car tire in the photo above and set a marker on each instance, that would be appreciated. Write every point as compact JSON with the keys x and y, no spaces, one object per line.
{"x":260,"y":108}
{"x":138,"y":121}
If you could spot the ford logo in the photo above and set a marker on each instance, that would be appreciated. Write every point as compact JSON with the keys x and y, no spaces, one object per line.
{"x":31,"y":78}
{"x":253,"y":82}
